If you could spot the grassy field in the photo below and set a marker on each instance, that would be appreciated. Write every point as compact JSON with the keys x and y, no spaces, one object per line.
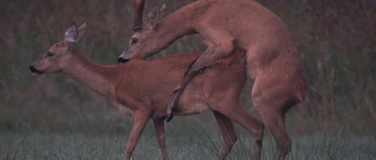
{"x":189,"y":137}
{"x":198,"y":144}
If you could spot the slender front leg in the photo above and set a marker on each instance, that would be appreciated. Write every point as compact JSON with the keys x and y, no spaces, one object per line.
{"x":140,"y":120}
{"x":228,"y":133}
{"x":209,"y":58}
{"x":160,"y":136}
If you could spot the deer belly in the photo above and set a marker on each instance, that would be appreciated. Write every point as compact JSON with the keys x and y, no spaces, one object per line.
{"x":188,"y":107}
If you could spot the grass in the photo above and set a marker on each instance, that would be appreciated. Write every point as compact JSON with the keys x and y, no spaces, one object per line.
{"x":190,"y":137}
{"x":181,"y":146}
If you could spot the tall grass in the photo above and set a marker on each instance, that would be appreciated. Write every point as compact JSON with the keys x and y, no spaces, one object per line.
{"x":38,"y":145}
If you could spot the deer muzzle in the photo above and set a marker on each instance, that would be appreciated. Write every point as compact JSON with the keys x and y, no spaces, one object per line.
{"x":122,"y":60}
{"x":35,"y":71}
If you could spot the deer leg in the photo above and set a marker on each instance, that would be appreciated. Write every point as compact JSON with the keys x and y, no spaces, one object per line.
{"x":228,"y":133}
{"x":276,"y":124}
{"x":210,"y":57}
{"x":160,"y":135}
{"x":240,"y":116}
{"x":272,"y":102}
{"x":140,"y":121}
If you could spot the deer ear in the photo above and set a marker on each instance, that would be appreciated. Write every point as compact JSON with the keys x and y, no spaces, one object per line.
{"x":155,"y":15}
{"x":81,"y":33}
{"x":71,"y":34}
{"x":162,"y":12}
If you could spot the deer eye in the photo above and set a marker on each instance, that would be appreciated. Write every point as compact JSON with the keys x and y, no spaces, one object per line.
{"x":134,"y":40}
{"x":49,"y":54}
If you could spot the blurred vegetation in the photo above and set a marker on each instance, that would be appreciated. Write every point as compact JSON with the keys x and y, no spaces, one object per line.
{"x":335,"y":38}
{"x":326,"y":146}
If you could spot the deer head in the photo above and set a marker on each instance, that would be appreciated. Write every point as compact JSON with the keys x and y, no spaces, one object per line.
{"x":59,"y":54}
{"x":143,"y":35}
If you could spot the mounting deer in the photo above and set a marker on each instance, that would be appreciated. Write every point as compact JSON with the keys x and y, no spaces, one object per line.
{"x":141,"y":88}
{"x":273,"y":62}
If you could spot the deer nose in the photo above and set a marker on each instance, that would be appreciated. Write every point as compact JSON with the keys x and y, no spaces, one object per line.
{"x":33,"y":70}
{"x":121,"y":60}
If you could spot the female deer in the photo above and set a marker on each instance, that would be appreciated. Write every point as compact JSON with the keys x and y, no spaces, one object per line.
{"x":141,"y":88}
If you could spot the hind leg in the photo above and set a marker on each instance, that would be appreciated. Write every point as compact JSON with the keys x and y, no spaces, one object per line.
{"x":160,"y":136}
{"x":273,"y":93}
{"x":276,"y":124}
{"x":228,"y":133}
{"x":235,"y":112}
{"x":272,"y":112}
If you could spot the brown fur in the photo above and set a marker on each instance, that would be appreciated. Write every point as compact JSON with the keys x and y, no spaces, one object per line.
{"x":273,"y":62}
{"x":141,"y":88}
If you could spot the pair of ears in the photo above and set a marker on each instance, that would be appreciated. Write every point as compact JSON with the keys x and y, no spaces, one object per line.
{"x":155,"y":15}
{"x":74,"y":34}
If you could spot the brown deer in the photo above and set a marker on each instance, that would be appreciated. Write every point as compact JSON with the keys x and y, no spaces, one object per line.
{"x":273,"y":62}
{"x":141,"y":88}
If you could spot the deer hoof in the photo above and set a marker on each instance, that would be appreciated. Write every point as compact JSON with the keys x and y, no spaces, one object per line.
{"x":169,"y":117}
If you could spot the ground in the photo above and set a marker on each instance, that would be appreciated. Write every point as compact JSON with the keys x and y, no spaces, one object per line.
{"x":193,"y":142}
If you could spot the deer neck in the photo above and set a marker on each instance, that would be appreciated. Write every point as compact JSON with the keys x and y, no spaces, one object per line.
{"x":168,"y":31}
{"x":95,"y":76}
{"x":179,"y":23}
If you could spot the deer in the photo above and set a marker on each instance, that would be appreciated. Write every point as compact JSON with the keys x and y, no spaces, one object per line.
{"x":274,"y":64}
{"x":141,"y":88}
